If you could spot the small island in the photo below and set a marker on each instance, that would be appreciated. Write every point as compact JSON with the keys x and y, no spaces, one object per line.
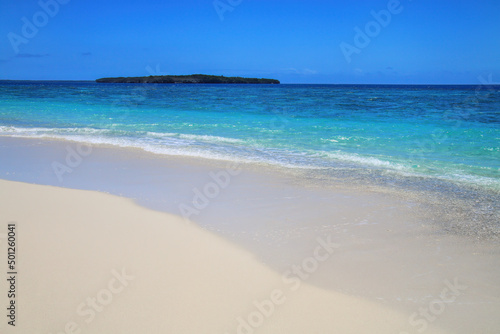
{"x":188,"y":79}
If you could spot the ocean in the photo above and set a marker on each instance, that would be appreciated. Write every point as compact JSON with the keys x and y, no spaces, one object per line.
{"x":449,"y":133}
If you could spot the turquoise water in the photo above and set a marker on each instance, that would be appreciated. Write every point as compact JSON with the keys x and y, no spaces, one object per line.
{"x":447,"y":133}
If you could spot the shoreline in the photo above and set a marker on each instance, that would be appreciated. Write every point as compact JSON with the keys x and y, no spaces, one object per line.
{"x":390,"y":254}
{"x":356,"y":168}
{"x":449,"y":203}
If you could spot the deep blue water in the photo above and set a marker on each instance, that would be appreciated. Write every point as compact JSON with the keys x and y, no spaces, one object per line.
{"x":442,"y":132}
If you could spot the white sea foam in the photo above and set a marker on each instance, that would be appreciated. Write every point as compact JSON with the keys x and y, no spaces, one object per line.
{"x":158,"y":143}
{"x":215,"y":139}
{"x":234,"y":150}
{"x":370,"y":161}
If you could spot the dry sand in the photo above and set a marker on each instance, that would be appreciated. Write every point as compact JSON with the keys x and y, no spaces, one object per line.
{"x":90,"y":262}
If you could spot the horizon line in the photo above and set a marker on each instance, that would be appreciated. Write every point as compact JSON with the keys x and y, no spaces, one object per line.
{"x":282,"y":83}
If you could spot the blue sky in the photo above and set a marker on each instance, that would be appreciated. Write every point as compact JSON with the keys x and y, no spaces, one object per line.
{"x":423,"y":41}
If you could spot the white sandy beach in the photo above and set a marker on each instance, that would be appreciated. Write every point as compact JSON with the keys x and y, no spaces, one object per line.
{"x":95,"y":263}
{"x":269,"y":254}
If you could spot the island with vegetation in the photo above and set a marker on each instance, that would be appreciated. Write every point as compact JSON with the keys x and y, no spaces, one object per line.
{"x":189,"y":79}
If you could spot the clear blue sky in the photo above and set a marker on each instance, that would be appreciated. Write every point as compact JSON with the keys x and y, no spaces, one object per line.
{"x":426,"y":41}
